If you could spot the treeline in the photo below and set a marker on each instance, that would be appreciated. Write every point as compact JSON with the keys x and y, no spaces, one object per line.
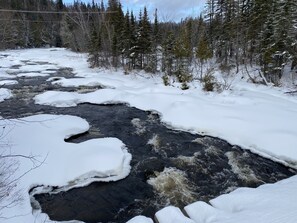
{"x":252,"y":32}
{"x":21,"y":26}
{"x":232,"y":33}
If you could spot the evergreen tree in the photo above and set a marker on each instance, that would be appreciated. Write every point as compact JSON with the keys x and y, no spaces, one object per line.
{"x":156,"y":29}
{"x":133,"y":51}
{"x":95,"y":47}
{"x":144,"y":41}
{"x":183,"y":52}
{"x":168,"y":54}
{"x":60,"y":5}
{"x":203,"y":53}
{"x":152,"y":65}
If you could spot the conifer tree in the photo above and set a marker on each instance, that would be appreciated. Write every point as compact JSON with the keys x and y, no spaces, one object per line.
{"x":203,"y":53}
{"x":152,"y":65}
{"x":59,"y":8}
{"x":156,"y":29}
{"x":168,"y":54}
{"x":133,"y":51}
{"x":144,"y":42}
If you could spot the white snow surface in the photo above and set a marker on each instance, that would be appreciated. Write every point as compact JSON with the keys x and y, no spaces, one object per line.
{"x":5,"y":94}
{"x":259,"y":118}
{"x":32,"y":74}
{"x":262,"y":119}
{"x":77,"y":82}
{"x":8,"y":82}
{"x":59,"y":163}
{"x":269,"y":203}
{"x":256,"y":119}
{"x":140,"y":219}
{"x":172,"y":214}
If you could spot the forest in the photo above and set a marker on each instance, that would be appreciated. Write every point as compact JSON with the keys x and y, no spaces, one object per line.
{"x":233,"y":33}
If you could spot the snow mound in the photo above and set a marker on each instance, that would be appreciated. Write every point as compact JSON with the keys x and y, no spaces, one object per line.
{"x":8,"y":82}
{"x":32,"y":74}
{"x":106,"y":159}
{"x":5,"y":94}
{"x":172,"y":214}
{"x":268,"y":203}
{"x":57,"y":163}
{"x":140,"y":219}
{"x":77,"y":82}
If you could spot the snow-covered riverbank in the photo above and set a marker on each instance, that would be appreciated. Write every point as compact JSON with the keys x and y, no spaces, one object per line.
{"x":259,"y":118}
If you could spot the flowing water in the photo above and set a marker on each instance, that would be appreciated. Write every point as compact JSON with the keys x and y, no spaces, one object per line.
{"x":168,"y":166}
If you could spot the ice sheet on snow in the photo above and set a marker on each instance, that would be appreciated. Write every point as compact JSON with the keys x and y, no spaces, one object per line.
{"x":172,"y":214}
{"x":266,"y":204}
{"x":62,"y":164}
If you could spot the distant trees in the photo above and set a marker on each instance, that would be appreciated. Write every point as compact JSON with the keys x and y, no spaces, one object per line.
{"x":253,"y":31}
{"x":232,"y":33}
{"x":25,"y":29}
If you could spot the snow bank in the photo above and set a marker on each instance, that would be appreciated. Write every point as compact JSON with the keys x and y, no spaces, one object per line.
{"x":268,"y":203}
{"x":5,"y":94}
{"x":140,"y":219}
{"x":77,"y":82}
{"x":172,"y":214}
{"x":32,"y":74}
{"x":257,"y":120}
{"x":59,"y":163}
{"x":8,"y":82}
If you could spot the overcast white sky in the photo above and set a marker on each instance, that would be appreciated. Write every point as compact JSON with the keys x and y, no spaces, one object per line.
{"x":168,"y":10}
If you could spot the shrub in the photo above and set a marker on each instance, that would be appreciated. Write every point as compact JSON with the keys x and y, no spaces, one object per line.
{"x":209,"y":82}
{"x":165,"y":79}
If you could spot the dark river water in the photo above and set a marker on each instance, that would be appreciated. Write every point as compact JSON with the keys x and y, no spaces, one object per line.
{"x":168,"y":166}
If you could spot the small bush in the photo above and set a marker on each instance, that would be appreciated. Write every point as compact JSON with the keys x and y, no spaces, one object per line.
{"x":226,"y":68}
{"x":165,"y":80}
{"x":209,"y":82}
{"x":184,"y":86}
{"x":183,"y":76}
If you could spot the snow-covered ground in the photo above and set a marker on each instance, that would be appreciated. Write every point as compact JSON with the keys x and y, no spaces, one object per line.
{"x":53,"y":162}
{"x":265,"y":204}
{"x":5,"y":94}
{"x":259,"y":118}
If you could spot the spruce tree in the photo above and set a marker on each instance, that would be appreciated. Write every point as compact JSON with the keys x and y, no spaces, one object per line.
{"x":168,"y":54}
{"x":203,"y":53}
{"x":133,"y":51}
{"x":143,"y":43}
